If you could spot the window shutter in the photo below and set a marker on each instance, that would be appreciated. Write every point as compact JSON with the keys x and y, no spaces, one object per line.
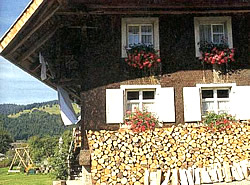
{"x":114,"y":105}
{"x":192,"y":105}
{"x":165,"y":104}
{"x":240,"y":102}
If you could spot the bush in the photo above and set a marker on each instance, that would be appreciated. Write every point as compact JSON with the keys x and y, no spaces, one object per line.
{"x":141,"y":120}
{"x":218,"y":122}
{"x":5,"y":162}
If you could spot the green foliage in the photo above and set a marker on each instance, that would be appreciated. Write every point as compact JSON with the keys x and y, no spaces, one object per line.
{"x":5,"y":140}
{"x":59,"y":160}
{"x":5,"y":162}
{"x":218,"y":122}
{"x":8,"y":158}
{"x":42,"y":147}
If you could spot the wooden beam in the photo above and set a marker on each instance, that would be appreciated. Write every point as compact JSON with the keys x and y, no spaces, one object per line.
{"x":153,"y":12}
{"x":37,"y":44}
{"x":166,"y":6}
{"x":164,"y":12}
{"x":68,"y":82}
{"x":36,"y":25}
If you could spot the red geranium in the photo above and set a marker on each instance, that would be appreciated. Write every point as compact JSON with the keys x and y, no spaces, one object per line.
{"x":216,"y":53}
{"x":142,"y":56}
{"x":140,"y":120}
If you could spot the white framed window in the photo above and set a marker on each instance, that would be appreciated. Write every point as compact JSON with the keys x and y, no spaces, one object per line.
{"x":140,"y":33}
{"x":139,"y":30}
{"x":154,"y":98}
{"x":215,"y":100}
{"x":212,"y":29}
{"x":141,"y":99}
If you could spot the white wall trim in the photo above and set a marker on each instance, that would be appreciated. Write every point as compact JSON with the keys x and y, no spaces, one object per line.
{"x":212,"y":20}
{"x":127,"y":87}
{"x":139,"y":20}
{"x":216,"y":85}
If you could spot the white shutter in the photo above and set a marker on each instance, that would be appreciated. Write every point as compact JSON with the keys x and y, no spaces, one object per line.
{"x":114,"y":105}
{"x":192,"y":105}
{"x":240,"y":102}
{"x":165,"y":104}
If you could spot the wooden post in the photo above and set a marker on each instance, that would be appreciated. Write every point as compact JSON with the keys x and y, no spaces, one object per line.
{"x":197,"y":176}
{"x":167,"y":176}
{"x":227,"y":172}
{"x":174,"y":177}
{"x":183,"y":177}
{"x":189,"y":176}
{"x":146,"y":177}
{"x":243,"y":165}
{"x":219,"y":172}
{"x":205,"y":178}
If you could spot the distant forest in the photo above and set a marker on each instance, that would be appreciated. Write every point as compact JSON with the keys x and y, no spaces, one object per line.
{"x":7,"y":109}
{"x":32,"y":122}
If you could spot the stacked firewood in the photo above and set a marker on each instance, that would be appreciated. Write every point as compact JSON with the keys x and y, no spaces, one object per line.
{"x":125,"y":157}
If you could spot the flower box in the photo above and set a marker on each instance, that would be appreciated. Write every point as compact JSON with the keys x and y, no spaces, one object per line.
{"x":216,"y":53}
{"x":142,"y":56}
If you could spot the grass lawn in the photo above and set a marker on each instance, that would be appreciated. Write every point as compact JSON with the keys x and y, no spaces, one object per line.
{"x":23,"y":179}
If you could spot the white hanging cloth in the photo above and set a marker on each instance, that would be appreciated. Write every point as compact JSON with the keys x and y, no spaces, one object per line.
{"x":43,"y":67}
{"x":67,"y":112}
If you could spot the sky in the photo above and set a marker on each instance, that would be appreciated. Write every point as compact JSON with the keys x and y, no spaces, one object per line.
{"x":17,"y":86}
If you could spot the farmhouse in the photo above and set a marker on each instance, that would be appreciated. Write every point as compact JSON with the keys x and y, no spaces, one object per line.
{"x":87,"y":46}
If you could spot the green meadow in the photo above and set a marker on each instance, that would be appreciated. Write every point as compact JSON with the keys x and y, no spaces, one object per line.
{"x":23,"y":179}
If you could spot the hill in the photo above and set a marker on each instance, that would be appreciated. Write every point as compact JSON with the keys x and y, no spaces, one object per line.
{"x":24,"y":121}
{"x":7,"y":109}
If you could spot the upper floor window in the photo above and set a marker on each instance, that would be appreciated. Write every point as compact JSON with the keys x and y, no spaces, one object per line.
{"x":212,"y":29}
{"x":139,"y":31}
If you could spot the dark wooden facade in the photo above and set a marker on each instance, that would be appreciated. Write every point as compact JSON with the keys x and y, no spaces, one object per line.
{"x":81,"y":41}
{"x":104,"y":68}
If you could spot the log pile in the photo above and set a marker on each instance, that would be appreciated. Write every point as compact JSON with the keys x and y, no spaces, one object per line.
{"x":189,"y":151}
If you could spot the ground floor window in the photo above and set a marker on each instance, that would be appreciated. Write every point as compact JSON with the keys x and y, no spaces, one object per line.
{"x":143,"y":99}
{"x":215,"y":100}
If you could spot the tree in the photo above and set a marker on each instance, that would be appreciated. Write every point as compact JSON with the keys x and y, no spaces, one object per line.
{"x":42,"y":147}
{"x":5,"y":140}
{"x":59,"y":160}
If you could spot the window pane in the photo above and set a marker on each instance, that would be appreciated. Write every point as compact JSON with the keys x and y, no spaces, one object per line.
{"x":207,"y":107}
{"x":205,"y":33}
{"x":132,"y":107}
{"x":133,"y":29}
{"x":207,"y":94}
{"x":147,"y":35}
{"x":133,"y":35}
{"x":146,"y":29}
{"x":147,"y":39}
{"x":218,"y":38}
{"x":146,"y":95}
{"x":148,"y":107}
{"x":223,"y":105}
{"x":133,"y":95}
{"x":218,"y":29}
{"x":222,"y":93}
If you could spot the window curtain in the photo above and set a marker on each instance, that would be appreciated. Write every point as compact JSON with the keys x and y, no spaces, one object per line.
{"x":205,"y":33}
